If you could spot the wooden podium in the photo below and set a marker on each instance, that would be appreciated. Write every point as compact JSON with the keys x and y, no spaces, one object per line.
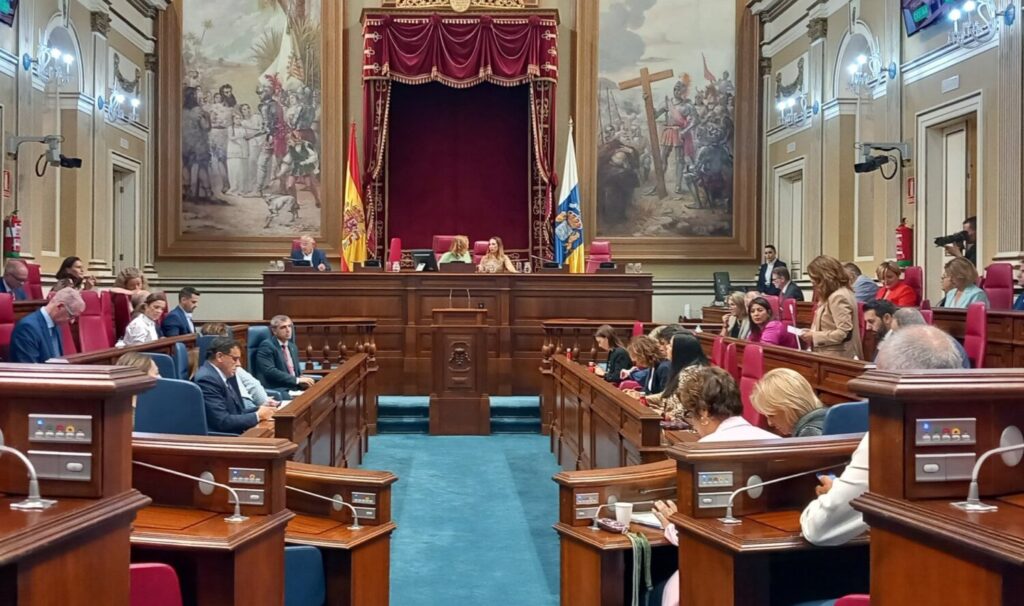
{"x":458,"y":405}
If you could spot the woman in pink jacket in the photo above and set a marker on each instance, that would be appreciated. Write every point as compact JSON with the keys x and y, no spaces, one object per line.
{"x":763,"y":329}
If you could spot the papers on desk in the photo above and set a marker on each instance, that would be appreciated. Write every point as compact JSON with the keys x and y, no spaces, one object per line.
{"x":646,"y":518}
{"x":793,"y":330}
{"x":294,"y":393}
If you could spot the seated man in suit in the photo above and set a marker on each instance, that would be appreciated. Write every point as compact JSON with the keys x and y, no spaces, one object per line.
{"x":309,"y":252}
{"x":277,"y":360}
{"x":787,"y":289}
{"x":764,"y":273}
{"x":179,"y":320}
{"x":14,"y":279}
{"x":225,"y":411}
{"x":36,"y":337}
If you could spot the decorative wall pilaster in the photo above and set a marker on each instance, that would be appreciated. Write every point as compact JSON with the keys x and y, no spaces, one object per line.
{"x":102,"y":205}
{"x":1011,"y":168}
{"x":147,"y":199}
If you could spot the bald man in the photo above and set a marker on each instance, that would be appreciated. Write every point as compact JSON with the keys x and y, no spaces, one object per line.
{"x":36,"y":337}
{"x":15,"y":277}
{"x":309,"y":252}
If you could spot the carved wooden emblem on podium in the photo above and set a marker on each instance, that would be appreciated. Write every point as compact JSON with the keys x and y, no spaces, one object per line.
{"x":457,"y":405}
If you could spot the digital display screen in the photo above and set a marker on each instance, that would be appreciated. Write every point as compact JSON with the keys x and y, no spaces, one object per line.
{"x":919,"y":14}
{"x":7,"y":10}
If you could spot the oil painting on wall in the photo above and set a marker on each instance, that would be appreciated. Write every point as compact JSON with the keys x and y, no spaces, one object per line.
{"x":666,"y":102}
{"x":250,"y":121}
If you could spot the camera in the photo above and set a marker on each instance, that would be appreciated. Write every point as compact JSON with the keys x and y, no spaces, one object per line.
{"x":66,"y":162}
{"x":871,"y":164}
{"x":960,"y":236}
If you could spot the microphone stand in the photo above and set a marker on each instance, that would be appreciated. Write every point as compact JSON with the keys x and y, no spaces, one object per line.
{"x":34,"y":501}
{"x":973,"y":504}
{"x":338,"y":503}
{"x":235,"y":518}
{"x":729,"y":519}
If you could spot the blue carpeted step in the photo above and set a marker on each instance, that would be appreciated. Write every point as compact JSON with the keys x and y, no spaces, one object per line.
{"x":515,"y":414}
{"x":403,"y":414}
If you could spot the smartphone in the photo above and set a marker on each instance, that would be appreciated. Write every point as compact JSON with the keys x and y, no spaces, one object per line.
{"x":827,"y":475}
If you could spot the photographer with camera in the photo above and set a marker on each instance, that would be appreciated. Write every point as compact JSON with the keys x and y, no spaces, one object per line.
{"x":964,"y":243}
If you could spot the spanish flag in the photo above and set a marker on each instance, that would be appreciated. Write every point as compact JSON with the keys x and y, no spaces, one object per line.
{"x":353,"y":228}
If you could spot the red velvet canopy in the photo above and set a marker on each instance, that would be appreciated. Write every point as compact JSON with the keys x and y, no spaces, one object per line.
{"x":460,"y":51}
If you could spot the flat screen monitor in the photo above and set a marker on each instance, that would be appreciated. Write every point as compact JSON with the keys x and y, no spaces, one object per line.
{"x":424,"y":259}
{"x":722,"y":286}
{"x":295,"y":262}
{"x":8,"y":8}
{"x":919,"y":14}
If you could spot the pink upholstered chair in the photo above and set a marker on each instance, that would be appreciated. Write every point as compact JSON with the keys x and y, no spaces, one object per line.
{"x":107,"y":311}
{"x":296,"y":244}
{"x":914,"y":278}
{"x":600,"y":252}
{"x":750,"y":374}
{"x":67,"y":340}
{"x":860,"y":318}
{"x":999,"y":286}
{"x":928,"y":316}
{"x":730,"y":362}
{"x":479,"y":250}
{"x":857,"y":599}
{"x":394,"y":253}
{"x":34,"y":285}
{"x":441,"y":245}
{"x":976,"y":334}
{"x":718,"y":351}
{"x":92,"y":334}
{"x":6,"y":323}
{"x":154,"y":585}
{"x":638,"y":328}
{"x":773,"y":300}
{"x":789,"y":310}
{"x":925,"y":304}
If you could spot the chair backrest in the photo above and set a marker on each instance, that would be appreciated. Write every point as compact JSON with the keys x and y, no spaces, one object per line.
{"x":304,"y":581}
{"x":92,"y":334}
{"x":6,"y":323}
{"x":789,"y":339}
{"x":67,"y":340}
{"x":789,"y":310}
{"x":255,"y":336}
{"x":441,"y":245}
{"x":34,"y":285}
{"x":179,"y":353}
{"x":926,"y":304}
{"x":164,"y":364}
{"x":154,"y":585}
{"x":928,"y":316}
{"x":914,"y":278}
{"x":600,"y":250}
{"x":773,"y":300}
{"x":861,"y":325}
{"x":394,"y":253}
{"x":122,"y":307}
{"x":479,"y":250}
{"x":846,"y":417}
{"x":718,"y":351}
{"x":750,"y":374}
{"x":638,"y":328}
{"x":730,"y":361}
{"x":296,"y":244}
{"x":107,"y":311}
{"x":999,"y":285}
{"x":203,"y":344}
{"x":857,"y":599}
{"x":171,"y":406}
{"x":976,"y":334}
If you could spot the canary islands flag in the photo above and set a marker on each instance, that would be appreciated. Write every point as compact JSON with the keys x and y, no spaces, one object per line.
{"x":569,"y":218}
{"x":353,"y":228}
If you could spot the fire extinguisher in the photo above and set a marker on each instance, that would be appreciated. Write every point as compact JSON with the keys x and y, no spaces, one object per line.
{"x":904,"y":244}
{"x":12,"y":235}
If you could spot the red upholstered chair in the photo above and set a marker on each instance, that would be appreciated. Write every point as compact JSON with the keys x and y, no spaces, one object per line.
{"x":789,"y":310}
{"x":860,"y":318}
{"x":479,"y":250}
{"x":67,"y":340}
{"x":773,"y":300}
{"x":6,"y":323}
{"x":600,"y":252}
{"x":914,"y":278}
{"x":789,"y":339}
{"x":858,"y":599}
{"x":928,"y":316}
{"x":92,"y":334}
{"x":394,"y":253}
{"x":122,"y":307}
{"x":441,"y":245}
{"x":750,"y":374}
{"x":976,"y":334}
{"x":718,"y":351}
{"x":107,"y":312}
{"x":296,"y":245}
{"x":154,"y":585}
{"x":730,"y":362}
{"x":638,"y":328}
{"x":999,"y":286}
{"x":925,"y":305}
{"x":34,"y":285}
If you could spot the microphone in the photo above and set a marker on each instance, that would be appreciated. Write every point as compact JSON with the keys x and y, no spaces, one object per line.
{"x":33,"y":502}
{"x":233,"y":518}
{"x":338,"y":503}
{"x":728,"y":519}
{"x":973,"y":503}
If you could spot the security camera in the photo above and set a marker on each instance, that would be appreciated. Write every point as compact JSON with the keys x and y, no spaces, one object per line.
{"x":871,"y":164}
{"x":52,"y":155}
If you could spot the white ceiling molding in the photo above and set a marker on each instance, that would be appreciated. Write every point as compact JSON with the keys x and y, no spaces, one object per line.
{"x":799,"y":31}
{"x":146,"y":45}
{"x":792,"y":24}
{"x":839,"y":107}
{"x":77,"y":101}
{"x":942,"y":58}
{"x":790,"y":17}
{"x":135,"y":129}
{"x":781,"y":133}
{"x":93,"y":6}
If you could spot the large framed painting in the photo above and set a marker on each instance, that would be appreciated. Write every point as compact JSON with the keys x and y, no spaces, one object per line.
{"x":659,"y":102}
{"x":254,"y":106}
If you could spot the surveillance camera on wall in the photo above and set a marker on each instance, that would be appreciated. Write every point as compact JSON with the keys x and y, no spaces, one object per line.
{"x":870,"y":162}
{"x":52,"y":153}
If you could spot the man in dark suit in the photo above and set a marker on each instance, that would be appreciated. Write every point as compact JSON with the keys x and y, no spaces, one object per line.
{"x":764,"y":273}
{"x":179,"y":320}
{"x":14,"y":279}
{"x":786,"y":288}
{"x":36,"y":337}
{"x":309,"y":252}
{"x":225,"y":411}
{"x":277,"y":360}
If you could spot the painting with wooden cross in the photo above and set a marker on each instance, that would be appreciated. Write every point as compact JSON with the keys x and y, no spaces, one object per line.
{"x":666,"y":102}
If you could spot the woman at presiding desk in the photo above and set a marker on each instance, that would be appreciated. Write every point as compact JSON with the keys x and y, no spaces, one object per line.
{"x":496,"y":261}
{"x":459,"y":252}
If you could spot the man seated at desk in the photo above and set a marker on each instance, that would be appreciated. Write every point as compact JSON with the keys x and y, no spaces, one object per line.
{"x":225,"y":411}
{"x":14,"y":279}
{"x":310,"y":253}
{"x":36,"y":337}
{"x":277,"y":360}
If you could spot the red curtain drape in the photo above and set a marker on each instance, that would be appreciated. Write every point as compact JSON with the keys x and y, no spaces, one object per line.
{"x":461,"y":51}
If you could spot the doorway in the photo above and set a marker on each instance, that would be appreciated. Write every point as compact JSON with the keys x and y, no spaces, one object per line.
{"x":124,"y":190}
{"x":789,"y":215}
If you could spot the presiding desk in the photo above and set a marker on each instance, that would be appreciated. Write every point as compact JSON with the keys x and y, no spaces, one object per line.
{"x":403,"y":305}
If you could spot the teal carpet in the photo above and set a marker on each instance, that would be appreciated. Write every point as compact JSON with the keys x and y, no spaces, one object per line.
{"x":474,"y":519}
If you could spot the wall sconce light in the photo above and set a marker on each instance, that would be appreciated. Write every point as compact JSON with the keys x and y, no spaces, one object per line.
{"x":52,"y":63}
{"x":795,"y":110}
{"x":975,"y":22}
{"x":118,"y":106}
{"x":868,"y":70}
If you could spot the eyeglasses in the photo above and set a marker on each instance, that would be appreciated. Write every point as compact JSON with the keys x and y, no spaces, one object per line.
{"x":237,"y":359}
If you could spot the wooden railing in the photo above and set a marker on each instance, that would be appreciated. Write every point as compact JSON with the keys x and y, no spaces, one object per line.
{"x":577,"y":336}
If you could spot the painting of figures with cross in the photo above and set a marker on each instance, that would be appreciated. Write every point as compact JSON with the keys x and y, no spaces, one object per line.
{"x":666,"y":103}
{"x":250,"y":121}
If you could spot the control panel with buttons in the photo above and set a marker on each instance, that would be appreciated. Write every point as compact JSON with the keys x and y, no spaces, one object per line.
{"x":73,"y":466}
{"x":366,"y":513}
{"x":950,"y":467}
{"x":945,"y":432}
{"x":712,"y":500}
{"x":714,"y":479}
{"x":249,"y":496}
{"x":246,"y":475}
{"x":369,"y":498}
{"x":65,"y":429}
